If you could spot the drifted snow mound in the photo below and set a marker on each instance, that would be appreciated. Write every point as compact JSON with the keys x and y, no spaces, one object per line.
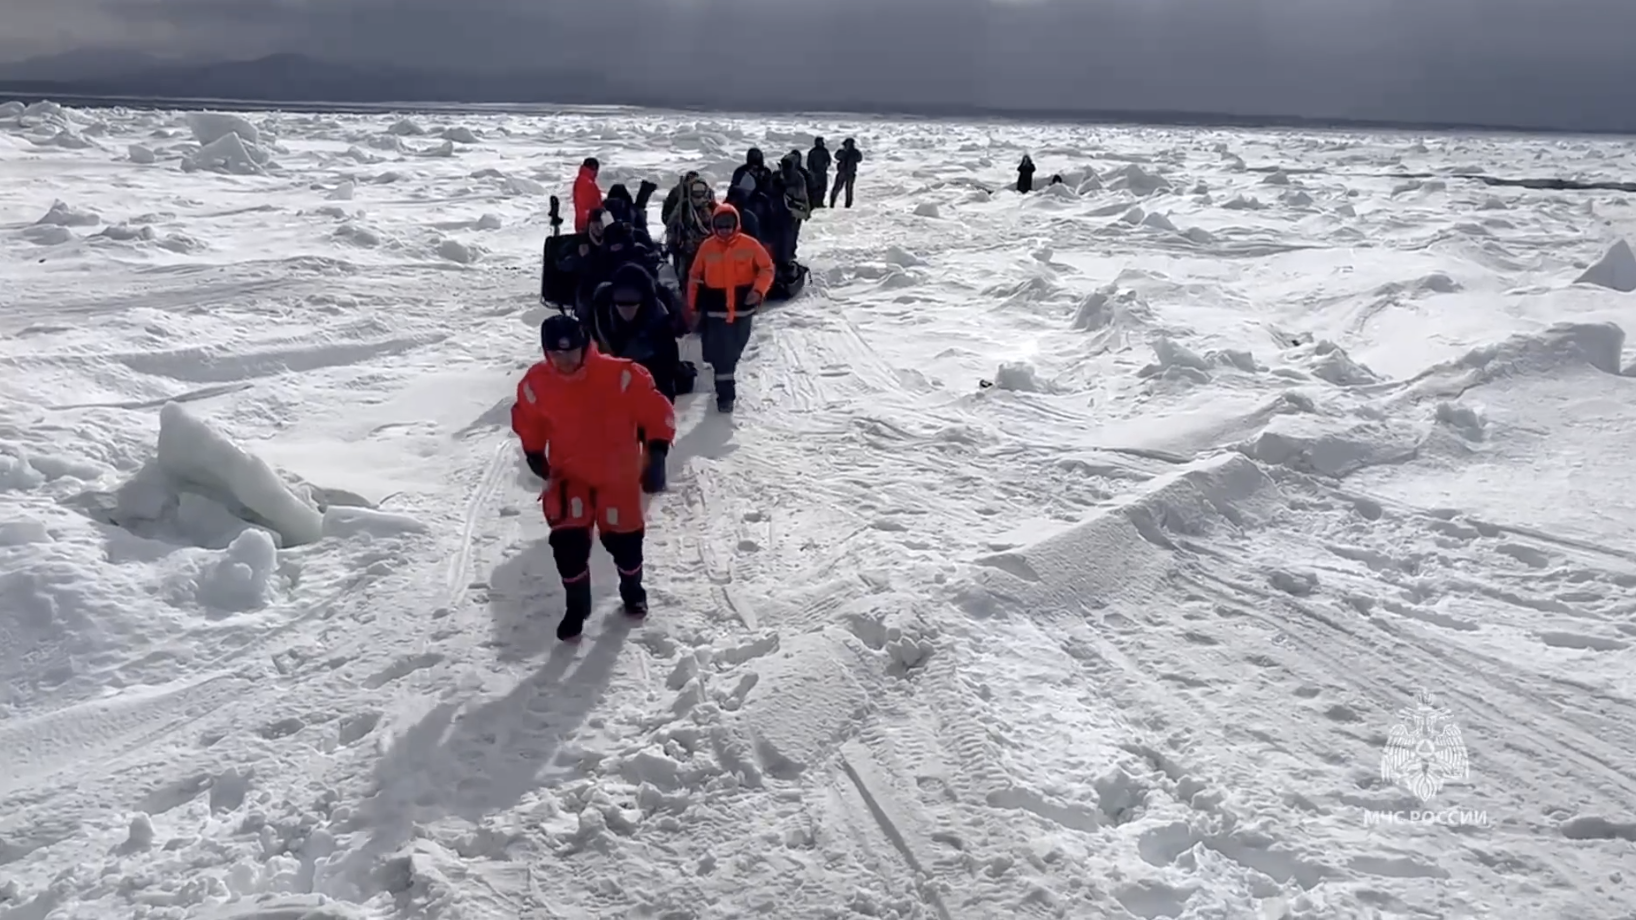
{"x":1330,"y":362}
{"x":228,"y":154}
{"x":1135,"y":179}
{"x":202,"y":489}
{"x":1113,"y":317}
{"x":453,"y":250}
{"x":46,"y":234}
{"x":1615,"y":270}
{"x":1020,"y":377}
{"x":282,"y":907}
{"x":1561,"y":348}
{"x":1174,"y":361}
{"x":1059,"y":190}
{"x":1311,"y":443}
{"x":243,"y":577}
{"x":61,"y":214}
{"x":210,"y":127}
{"x":1130,"y":542}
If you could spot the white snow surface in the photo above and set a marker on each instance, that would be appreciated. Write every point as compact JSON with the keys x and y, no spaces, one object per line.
{"x":1073,"y":555}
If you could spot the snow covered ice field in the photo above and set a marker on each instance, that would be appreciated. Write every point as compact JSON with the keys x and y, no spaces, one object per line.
{"x":1276,"y":438}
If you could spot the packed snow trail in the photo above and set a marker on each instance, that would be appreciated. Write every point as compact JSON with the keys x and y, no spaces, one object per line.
{"x":1071,"y":555}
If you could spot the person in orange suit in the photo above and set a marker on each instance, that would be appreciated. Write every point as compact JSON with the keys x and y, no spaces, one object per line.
{"x":730,"y":275}
{"x":587,"y":195}
{"x":590,"y":426}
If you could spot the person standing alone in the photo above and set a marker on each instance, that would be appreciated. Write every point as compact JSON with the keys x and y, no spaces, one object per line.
{"x":818,"y":163}
{"x":846,"y":170}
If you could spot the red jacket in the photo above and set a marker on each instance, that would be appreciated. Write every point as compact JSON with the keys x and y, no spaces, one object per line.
{"x":586,"y":197}
{"x":594,"y":421}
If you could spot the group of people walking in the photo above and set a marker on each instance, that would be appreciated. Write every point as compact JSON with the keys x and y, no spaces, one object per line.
{"x":596,"y":417}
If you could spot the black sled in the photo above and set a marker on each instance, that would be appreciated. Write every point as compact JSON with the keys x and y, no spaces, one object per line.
{"x":560,"y":266}
{"x":789,"y":283}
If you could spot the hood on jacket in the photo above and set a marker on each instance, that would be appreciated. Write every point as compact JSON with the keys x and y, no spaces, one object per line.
{"x":818,"y":142}
{"x":726,"y":210}
{"x":597,"y":222}
{"x":618,"y":192}
{"x":618,"y":239}
{"x":791,"y":161}
{"x":755,"y":157}
{"x":633,"y":279}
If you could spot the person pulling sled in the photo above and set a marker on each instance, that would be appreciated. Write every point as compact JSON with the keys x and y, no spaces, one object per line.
{"x":597,"y":430}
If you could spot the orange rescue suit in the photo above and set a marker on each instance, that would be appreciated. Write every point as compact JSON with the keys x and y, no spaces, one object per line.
{"x":594,"y":425}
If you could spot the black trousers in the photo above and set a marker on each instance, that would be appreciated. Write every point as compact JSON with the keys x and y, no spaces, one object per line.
{"x":843,"y":182}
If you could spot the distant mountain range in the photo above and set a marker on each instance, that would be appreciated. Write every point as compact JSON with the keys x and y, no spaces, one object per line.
{"x":287,"y":78}
{"x":107,"y":77}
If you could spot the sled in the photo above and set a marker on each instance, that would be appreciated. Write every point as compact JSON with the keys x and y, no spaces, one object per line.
{"x":558,"y":278}
{"x":790,"y":287}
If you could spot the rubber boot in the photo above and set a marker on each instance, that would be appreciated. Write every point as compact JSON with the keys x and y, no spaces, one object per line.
{"x":634,"y":596}
{"x":577,"y":612}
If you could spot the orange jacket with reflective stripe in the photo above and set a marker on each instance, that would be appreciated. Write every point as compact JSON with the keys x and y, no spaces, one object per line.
{"x":591,"y":420}
{"x":726,"y":265}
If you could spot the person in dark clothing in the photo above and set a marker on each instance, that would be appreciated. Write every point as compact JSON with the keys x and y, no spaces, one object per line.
{"x":622,"y":207}
{"x":677,"y":194}
{"x":687,"y":211}
{"x":791,"y":204}
{"x":818,"y":163}
{"x":846,"y":170}
{"x":753,"y":171}
{"x":631,"y":317}
{"x":747,"y":204}
{"x":617,"y":245}
{"x":1025,"y":174}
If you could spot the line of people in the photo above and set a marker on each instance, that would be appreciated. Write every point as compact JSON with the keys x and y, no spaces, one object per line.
{"x":717,"y":296}
{"x":597,"y":417}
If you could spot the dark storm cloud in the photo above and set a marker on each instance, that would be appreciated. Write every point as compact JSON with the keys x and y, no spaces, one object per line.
{"x":1462,"y":60}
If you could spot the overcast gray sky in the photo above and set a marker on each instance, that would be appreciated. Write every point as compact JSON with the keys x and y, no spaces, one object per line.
{"x":1565,"y":62}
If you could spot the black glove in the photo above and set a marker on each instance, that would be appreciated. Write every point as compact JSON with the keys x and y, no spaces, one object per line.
{"x":653,"y":477}
{"x":537,"y":463}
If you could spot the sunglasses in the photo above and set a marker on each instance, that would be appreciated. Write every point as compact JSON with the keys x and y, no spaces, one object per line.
{"x":632,"y":304}
{"x":725,"y":225}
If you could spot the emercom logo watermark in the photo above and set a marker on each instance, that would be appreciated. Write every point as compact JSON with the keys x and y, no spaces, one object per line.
{"x":1424,"y":752}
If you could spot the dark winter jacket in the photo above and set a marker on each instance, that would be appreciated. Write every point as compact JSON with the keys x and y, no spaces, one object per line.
{"x":847,"y":159}
{"x":673,"y":198}
{"x":650,"y":338}
{"x":619,"y":247}
{"x":791,"y":187}
{"x":754,"y":166}
{"x":624,"y":210}
{"x":750,"y":208}
{"x":818,"y":159}
{"x":1025,"y":174}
